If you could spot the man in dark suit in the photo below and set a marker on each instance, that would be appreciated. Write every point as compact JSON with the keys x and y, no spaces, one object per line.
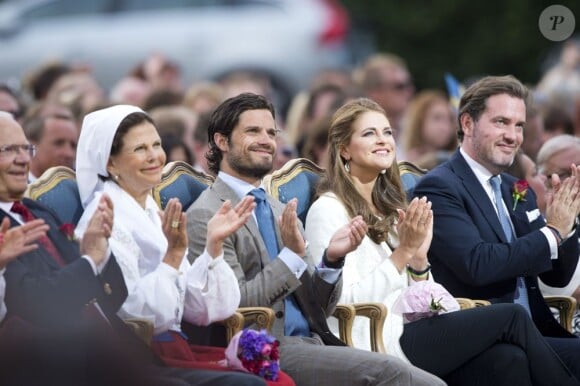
{"x":62,"y":298}
{"x":271,"y":261}
{"x":490,"y":240}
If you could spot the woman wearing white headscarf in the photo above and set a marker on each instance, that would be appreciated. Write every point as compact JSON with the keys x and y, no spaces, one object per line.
{"x":119,"y":153}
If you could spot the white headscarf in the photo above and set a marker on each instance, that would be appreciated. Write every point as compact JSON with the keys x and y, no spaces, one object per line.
{"x":94,"y":147}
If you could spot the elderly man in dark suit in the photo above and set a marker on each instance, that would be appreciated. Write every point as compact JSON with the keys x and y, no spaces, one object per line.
{"x":271,"y":260}
{"x":62,"y":298}
{"x":490,"y":240}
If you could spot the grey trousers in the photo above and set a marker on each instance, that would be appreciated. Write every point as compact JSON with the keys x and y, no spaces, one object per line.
{"x":309,"y":362}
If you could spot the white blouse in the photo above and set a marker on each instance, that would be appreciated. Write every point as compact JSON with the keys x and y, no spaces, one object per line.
{"x":201,"y":293}
{"x":369,"y":274}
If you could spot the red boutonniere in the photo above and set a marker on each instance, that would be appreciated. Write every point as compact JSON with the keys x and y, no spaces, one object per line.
{"x":519,"y":192}
{"x":68,"y":230}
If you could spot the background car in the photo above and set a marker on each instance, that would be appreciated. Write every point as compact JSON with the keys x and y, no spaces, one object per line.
{"x":286,"y":40}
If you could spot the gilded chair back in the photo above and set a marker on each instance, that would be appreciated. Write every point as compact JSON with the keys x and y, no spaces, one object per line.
{"x":298,"y":178}
{"x":57,"y":189}
{"x":410,"y":176}
{"x":179,"y":179}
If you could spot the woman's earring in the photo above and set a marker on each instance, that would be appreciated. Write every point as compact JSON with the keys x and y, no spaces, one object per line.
{"x":383,"y":171}
{"x":347,"y":166}
{"x":116,"y":177}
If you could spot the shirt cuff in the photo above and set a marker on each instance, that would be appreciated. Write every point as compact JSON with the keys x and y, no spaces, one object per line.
{"x":210,"y":261}
{"x":551,"y":241}
{"x":329,"y":275}
{"x":295,"y":263}
{"x":167,"y":270}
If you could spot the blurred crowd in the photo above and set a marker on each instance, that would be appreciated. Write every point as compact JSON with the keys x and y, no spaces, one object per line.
{"x":55,"y":97}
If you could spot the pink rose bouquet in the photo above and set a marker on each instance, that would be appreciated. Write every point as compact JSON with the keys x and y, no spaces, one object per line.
{"x":424,"y":299}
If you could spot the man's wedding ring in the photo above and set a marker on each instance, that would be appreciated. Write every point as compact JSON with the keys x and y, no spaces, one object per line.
{"x":175,"y":224}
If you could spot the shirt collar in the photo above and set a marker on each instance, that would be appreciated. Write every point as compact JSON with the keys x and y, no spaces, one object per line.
{"x":481,"y":173}
{"x":6,"y":206}
{"x":240,"y":187}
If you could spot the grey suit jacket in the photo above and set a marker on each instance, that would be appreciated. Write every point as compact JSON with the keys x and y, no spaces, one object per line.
{"x":263,"y":282}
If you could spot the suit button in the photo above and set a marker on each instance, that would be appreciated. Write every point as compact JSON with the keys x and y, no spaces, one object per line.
{"x":280,"y":314}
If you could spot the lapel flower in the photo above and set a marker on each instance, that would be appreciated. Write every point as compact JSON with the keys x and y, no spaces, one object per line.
{"x":68,"y":230}
{"x":254,"y":352}
{"x":519,"y":191}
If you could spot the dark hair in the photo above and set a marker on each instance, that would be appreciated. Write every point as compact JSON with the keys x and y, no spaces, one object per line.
{"x":35,"y":119}
{"x":556,"y":120}
{"x":19,"y":112}
{"x":44,"y":77}
{"x":225,"y":118}
{"x":126,"y":124}
{"x":170,"y":142}
{"x":473,"y":101}
{"x":161,"y":98}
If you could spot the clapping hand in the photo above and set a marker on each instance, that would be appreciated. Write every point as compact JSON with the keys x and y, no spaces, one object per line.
{"x":225,"y":222}
{"x":174,"y":227}
{"x":18,"y":240}
{"x":563,"y":203}
{"x":415,"y":227}
{"x":346,"y":239}
{"x":95,"y":239}
{"x":291,"y":236}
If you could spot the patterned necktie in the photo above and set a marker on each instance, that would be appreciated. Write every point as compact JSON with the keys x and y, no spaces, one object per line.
{"x":521,"y":294}
{"x":294,"y":323}
{"x":21,"y":209}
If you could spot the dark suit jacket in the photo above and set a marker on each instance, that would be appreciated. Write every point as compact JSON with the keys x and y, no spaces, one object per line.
{"x":470,"y":255}
{"x":55,"y":298}
{"x":263,"y":282}
{"x":41,"y":292}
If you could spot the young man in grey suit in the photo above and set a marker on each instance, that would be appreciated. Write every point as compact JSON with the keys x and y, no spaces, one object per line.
{"x":271,"y":260}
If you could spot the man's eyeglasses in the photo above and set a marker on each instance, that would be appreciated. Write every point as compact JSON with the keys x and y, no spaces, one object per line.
{"x":11,"y":151}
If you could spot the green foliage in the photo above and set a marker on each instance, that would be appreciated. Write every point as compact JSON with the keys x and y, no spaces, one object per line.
{"x":466,"y":38}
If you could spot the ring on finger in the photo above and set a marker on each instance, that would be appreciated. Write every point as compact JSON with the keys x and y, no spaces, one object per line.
{"x":175,"y":224}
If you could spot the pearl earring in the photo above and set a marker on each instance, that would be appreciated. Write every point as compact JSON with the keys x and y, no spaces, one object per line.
{"x":347,"y":166}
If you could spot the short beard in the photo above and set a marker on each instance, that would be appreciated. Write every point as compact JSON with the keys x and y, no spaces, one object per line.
{"x":238,"y":165}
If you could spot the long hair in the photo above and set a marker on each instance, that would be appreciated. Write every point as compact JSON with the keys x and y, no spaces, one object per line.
{"x":387,"y":195}
{"x":412,"y":135}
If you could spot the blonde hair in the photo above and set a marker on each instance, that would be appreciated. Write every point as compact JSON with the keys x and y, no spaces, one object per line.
{"x":412,"y":135}
{"x":387,"y":195}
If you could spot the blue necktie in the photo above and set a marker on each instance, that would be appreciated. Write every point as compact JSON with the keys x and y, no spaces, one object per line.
{"x":521,"y":294}
{"x":294,"y":322}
